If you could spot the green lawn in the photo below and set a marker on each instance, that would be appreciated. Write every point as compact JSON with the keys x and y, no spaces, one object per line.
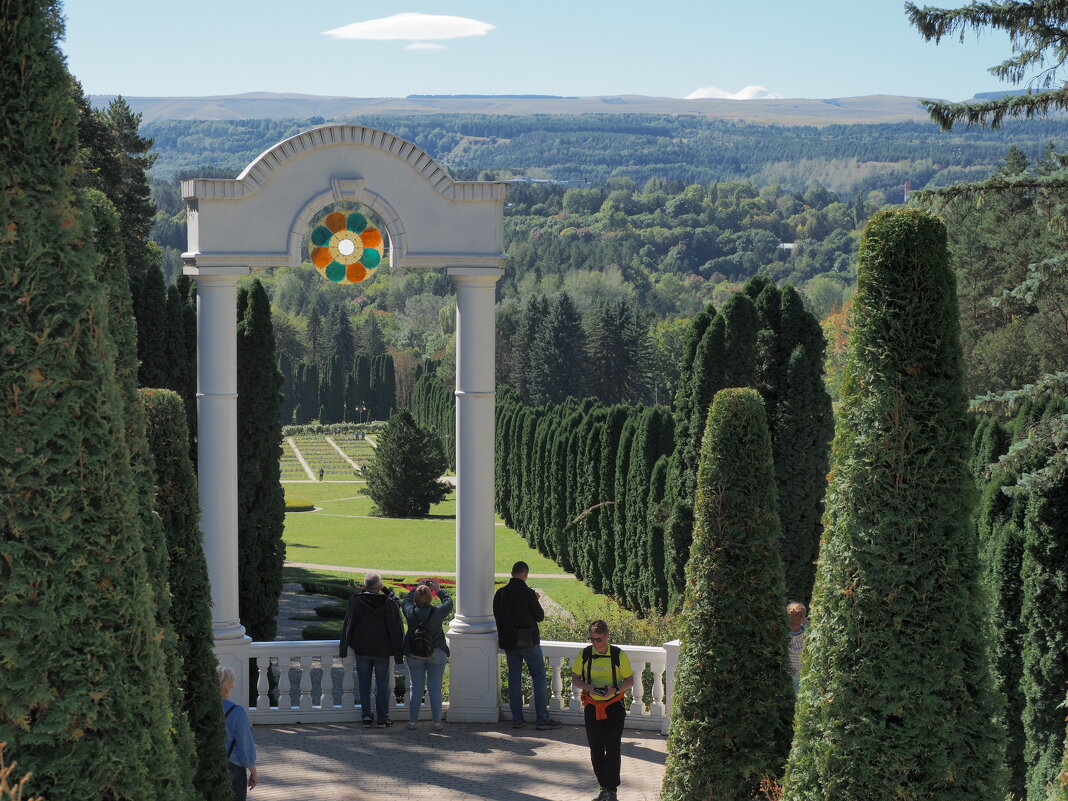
{"x":343,"y":533}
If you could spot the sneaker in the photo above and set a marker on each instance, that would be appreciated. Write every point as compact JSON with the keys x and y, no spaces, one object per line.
{"x":600,"y":794}
{"x":384,"y":724}
{"x":368,"y":722}
{"x":410,"y":725}
{"x":548,"y":724}
{"x":438,"y":725}
{"x":609,"y":795}
{"x":518,"y":724}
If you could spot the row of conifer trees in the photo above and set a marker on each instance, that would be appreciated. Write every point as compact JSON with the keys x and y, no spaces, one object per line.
{"x":608,"y":491}
{"x":109,"y":687}
{"x":366,"y":392}
{"x":907,"y":654}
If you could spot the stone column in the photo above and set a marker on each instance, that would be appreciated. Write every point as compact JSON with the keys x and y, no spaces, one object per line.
{"x":474,"y":676}
{"x":217,"y":459}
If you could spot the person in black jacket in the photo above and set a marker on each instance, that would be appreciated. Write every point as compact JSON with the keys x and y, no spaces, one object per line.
{"x":517,"y":612}
{"x":373,"y":631}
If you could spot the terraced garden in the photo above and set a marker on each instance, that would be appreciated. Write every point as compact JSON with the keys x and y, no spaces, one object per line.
{"x":319,"y":453}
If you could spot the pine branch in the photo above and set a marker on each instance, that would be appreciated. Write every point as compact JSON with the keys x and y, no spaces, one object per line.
{"x":995,"y":185}
{"x":991,"y":113}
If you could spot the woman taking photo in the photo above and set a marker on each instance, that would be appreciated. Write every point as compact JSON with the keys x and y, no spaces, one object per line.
{"x":425,"y":649}
{"x":603,"y":674}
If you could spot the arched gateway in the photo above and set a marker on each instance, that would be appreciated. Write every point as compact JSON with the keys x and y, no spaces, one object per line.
{"x":259,"y":219}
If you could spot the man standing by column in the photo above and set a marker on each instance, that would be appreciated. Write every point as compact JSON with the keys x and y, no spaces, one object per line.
{"x":517,"y":612}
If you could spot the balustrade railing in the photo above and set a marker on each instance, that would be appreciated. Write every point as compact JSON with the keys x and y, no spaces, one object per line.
{"x":306,"y":682}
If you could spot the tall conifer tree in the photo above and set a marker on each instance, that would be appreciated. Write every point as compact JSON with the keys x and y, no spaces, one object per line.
{"x":179,"y":510}
{"x":260,"y":501}
{"x":85,"y":703}
{"x":730,"y":725}
{"x":905,"y":710}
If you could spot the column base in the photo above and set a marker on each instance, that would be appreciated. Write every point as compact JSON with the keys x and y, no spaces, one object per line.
{"x":234,"y":654}
{"x":474,"y":677}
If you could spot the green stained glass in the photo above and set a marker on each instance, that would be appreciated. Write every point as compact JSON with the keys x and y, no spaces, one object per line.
{"x":370,"y":259}
{"x":321,"y":235}
{"x":335,"y":271}
{"x":357,"y":222}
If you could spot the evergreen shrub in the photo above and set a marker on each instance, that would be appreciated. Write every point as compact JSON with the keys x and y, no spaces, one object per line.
{"x":730,"y":723}
{"x":896,"y":699}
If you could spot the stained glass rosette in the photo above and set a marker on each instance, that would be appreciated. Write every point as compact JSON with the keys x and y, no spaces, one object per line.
{"x":346,"y":249}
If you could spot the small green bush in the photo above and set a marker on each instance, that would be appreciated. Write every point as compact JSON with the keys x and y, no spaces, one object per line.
{"x":331,"y":611}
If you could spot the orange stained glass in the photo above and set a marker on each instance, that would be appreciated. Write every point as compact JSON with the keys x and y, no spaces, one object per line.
{"x":371,"y":238}
{"x":321,"y":257}
{"x":355,"y":272}
{"x":335,"y":222}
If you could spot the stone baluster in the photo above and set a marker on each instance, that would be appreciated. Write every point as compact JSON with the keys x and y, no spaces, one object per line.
{"x":657,"y":707}
{"x":285,"y":701}
{"x":637,"y":707}
{"x":305,"y":701}
{"x":556,"y":701}
{"x":348,"y":698}
{"x":326,"y":698}
{"x":263,"y":682}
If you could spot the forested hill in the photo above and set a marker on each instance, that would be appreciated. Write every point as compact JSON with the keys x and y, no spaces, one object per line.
{"x":271,"y":105}
{"x":594,"y":147}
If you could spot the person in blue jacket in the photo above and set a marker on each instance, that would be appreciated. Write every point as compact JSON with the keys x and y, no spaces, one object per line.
{"x":240,"y":747}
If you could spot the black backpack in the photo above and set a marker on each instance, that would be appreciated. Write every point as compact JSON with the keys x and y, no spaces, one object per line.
{"x":421,"y":642}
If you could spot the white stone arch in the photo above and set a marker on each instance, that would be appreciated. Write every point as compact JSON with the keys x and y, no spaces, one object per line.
{"x":259,"y":219}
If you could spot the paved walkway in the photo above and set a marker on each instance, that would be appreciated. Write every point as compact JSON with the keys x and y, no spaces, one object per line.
{"x":420,"y":573}
{"x":464,"y":762}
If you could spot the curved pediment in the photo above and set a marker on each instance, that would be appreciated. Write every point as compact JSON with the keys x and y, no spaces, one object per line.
{"x":260,"y":217}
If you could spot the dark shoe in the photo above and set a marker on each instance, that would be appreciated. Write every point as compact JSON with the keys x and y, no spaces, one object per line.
{"x":549,"y":724}
{"x":384,"y":724}
{"x":609,"y":795}
{"x":518,"y":725}
{"x":368,"y":722}
{"x":600,"y":794}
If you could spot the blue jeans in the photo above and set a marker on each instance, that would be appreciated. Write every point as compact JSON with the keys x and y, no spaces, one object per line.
{"x":364,"y":665}
{"x":536,"y":664}
{"x":428,"y":673}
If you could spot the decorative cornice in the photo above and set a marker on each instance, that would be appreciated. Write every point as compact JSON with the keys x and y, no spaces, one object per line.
{"x":325,"y":136}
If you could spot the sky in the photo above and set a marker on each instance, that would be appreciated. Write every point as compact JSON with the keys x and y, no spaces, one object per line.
{"x":667,"y":48}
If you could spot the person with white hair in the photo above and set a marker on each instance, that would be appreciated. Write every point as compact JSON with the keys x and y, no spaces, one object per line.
{"x":240,"y":747}
{"x":373,"y":631}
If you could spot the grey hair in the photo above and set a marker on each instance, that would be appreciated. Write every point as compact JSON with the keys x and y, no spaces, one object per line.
{"x":372,"y":581}
{"x":226,"y":677}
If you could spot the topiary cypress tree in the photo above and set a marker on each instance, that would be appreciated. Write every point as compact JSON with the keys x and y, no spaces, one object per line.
{"x":1044,"y":612}
{"x":403,"y":480}
{"x":895,"y":697}
{"x":179,"y":511}
{"x":654,"y":436}
{"x":260,"y":500}
{"x":84,"y":704}
{"x":730,"y":725}
{"x":111,"y":272}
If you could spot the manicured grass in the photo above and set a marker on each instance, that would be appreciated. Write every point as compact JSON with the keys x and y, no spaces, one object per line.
{"x":344,"y":533}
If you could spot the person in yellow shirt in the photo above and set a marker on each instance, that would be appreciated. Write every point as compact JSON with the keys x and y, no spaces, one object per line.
{"x":603,"y":674}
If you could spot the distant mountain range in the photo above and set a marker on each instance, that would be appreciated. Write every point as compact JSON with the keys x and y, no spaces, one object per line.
{"x":267,"y":105}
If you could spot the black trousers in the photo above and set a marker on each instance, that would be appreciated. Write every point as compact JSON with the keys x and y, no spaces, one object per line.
{"x":604,"y":737}
{"x":238,"y":781}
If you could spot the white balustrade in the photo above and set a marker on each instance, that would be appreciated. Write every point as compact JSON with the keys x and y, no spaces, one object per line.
{"x":309,"y":667}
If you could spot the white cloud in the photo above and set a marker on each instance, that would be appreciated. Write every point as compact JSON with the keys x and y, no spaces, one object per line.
{"x":748,"y":93}
{"x":412,"y":26}
{"x":424,"y":46}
